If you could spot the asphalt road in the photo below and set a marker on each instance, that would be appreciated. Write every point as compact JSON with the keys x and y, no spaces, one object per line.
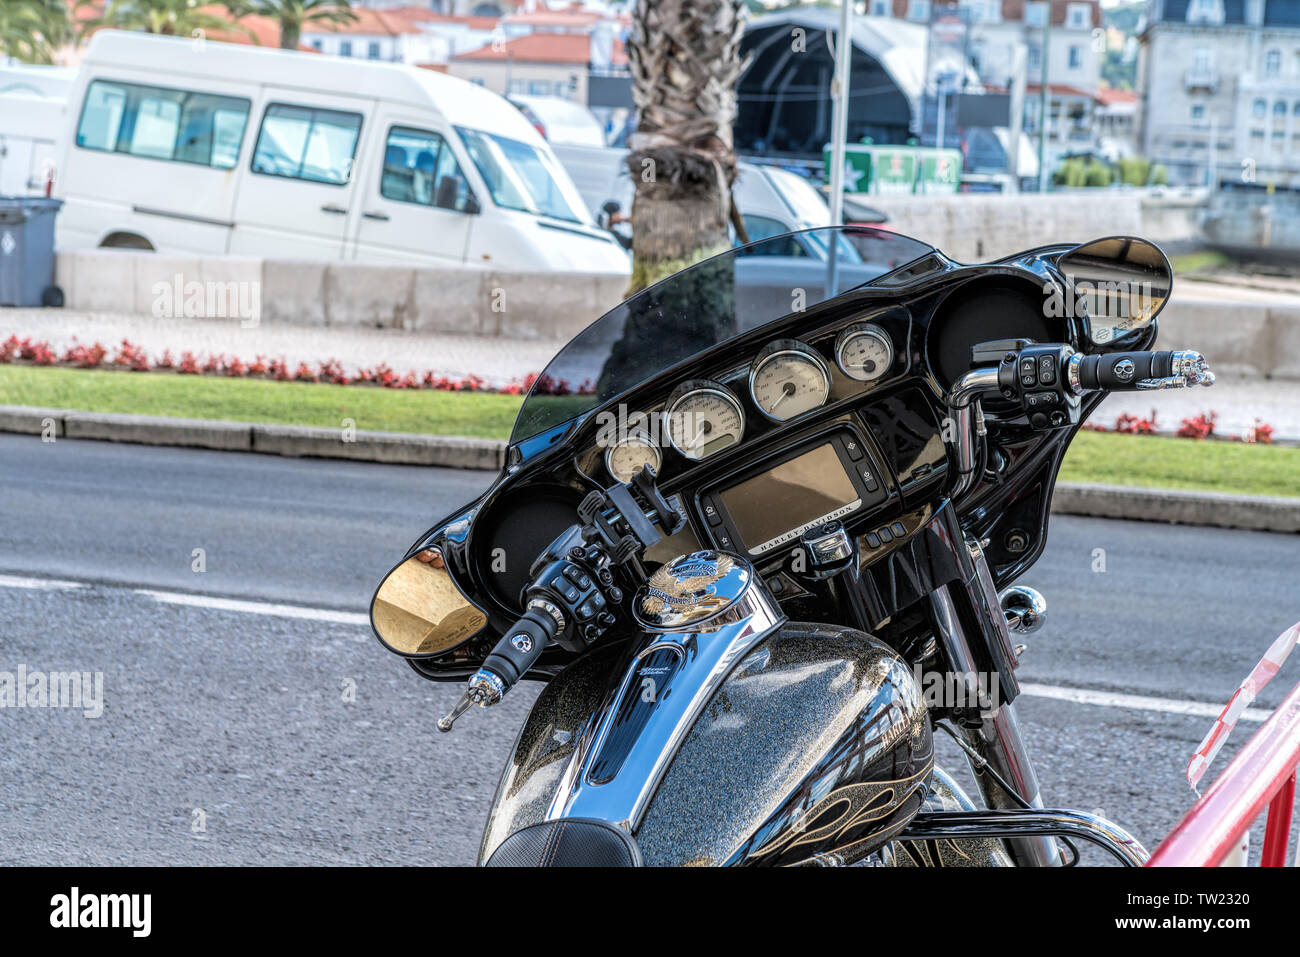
{"x":301,"y":741}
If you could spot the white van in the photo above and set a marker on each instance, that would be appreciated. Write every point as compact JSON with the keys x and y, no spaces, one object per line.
{"x":190,"y":146}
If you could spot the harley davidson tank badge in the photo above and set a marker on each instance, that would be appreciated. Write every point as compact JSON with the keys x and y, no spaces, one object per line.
{"x":690,"y":589}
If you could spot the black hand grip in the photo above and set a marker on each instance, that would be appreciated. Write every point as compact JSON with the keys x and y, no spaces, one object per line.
{"x":521,"y":646}
{"x":1117,"y":371}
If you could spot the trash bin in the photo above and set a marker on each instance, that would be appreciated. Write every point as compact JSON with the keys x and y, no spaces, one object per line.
{"x":27,"y":251}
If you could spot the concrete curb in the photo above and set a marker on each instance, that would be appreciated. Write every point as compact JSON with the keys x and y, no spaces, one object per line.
{"x":1256,"y":512}
{"x":391,"y":447}
{"x":1178,"y":506}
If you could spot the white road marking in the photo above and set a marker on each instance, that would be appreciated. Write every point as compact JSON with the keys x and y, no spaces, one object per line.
{"x":257,"y":607}
{"x":11,"y":581}
{"x":1088,"y":696}
{"x":1135,"y":702}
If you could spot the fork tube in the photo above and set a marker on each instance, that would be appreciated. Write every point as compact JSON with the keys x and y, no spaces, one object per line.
{"x":997,"y":740}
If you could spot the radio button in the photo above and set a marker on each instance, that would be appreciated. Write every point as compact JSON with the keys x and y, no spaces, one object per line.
{"x":711,"y":513}
{"x":854,"y":448}
{"x":868,"y":477}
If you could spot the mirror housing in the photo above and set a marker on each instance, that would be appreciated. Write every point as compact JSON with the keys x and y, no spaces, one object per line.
{"x":1118,"y":283}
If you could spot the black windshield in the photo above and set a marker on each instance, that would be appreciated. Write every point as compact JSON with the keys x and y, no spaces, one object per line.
{"x":705,"y":305}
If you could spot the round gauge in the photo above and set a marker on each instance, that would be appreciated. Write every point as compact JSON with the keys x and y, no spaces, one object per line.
{"x":789,"y":378}
{"x":702,"y":417}
{"x":863,"y":352}
{"x":631,"y":454}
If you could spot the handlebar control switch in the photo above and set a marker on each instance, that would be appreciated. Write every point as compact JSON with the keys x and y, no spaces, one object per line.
{"x":1035,"y":376}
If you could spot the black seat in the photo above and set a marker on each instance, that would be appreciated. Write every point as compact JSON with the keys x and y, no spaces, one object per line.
{"x":568,"y":842}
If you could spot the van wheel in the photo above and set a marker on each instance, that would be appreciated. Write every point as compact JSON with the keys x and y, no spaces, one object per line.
{"x":125,"y":241}
{"x":52,"y":297}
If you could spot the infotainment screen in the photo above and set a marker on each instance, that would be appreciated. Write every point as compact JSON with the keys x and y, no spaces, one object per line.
{"x":779,"y":505}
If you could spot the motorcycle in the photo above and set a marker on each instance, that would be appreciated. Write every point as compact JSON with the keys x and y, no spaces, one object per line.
{"x":759,"y":531}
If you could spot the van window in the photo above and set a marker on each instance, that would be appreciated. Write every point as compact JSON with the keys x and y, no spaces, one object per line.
{"x":161,"y":123}
{"x":420,"y":168}
{"x":518,"y":176}
{"x":301,"y":142}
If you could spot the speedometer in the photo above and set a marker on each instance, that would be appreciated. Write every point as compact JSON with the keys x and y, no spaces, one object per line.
{"x":864,"y":352}
{"x":789,"y":378}
{"x":630,"y":455}
{"x":702,"y":417}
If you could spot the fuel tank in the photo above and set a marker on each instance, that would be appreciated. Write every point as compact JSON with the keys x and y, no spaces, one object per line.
{"x":723,"y":734}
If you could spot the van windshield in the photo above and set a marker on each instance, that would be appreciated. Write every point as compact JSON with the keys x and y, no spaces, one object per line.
{"x":519,"y":176}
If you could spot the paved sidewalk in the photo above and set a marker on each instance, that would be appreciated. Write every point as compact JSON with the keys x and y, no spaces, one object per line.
{"x":1237,"y":401}
{"x":497,"y":361}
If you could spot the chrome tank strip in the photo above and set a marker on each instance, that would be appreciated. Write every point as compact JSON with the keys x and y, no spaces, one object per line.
{"x":705,"y":656}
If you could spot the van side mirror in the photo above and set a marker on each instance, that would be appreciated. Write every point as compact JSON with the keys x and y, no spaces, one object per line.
{"x":472,"y":204}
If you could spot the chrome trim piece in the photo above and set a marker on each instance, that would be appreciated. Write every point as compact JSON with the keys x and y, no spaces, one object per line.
{"x":1025,"y":608}
{"x":541,"y":604}
{"x":1018,"y":825}
{"x":707,"y":658}
{"x":1072,"y":372}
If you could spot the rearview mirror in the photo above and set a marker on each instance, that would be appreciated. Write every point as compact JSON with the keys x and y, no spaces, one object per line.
{"x":1120,"y":283}
{"x":420,"y":611}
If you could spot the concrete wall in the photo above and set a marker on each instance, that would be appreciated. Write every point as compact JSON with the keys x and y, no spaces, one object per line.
{"x":515,"y":305}
{"x":974,"y":227}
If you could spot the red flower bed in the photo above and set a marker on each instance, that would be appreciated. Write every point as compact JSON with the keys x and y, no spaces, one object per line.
{"x":332,"y":371}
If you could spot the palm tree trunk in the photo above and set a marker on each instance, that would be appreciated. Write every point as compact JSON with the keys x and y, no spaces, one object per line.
{"x":290,"y":34}
{"x":685,"y":61}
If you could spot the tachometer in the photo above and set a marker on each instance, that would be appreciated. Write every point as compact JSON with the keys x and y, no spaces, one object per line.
{"x":631,"y":454}
{"x":702,"y":417}
{"x":789,"y":378}
{"x":864,"y":352}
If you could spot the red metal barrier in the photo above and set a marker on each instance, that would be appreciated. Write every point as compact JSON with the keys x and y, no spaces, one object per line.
{"x":1264,"y":773}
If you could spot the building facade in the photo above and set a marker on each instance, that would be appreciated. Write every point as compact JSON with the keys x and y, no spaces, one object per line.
{"x":1220,"y":88}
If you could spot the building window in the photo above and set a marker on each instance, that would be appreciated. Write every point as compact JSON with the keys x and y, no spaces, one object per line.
{"x":372,"y":51}
{"x":1198,"y":112}
{"x":163,"y":124}
{"x":1205,"y":11}
{"x":1036,"y":13}
{"x":1279,"y":108}
{"x":1078,"y":16}
{"x":918,"y":10}
{"x":1076,"y":56}
{"x":316,"y":44}
{"x":1035,"y":57}
{"x":345,"y":48}
{"x":1257,"y":135}
{"x":1295,"y":108}
{"x":1273,"y":63}
{"x":1259,"y":108}
{"x":881,"y":8}
{"x":299,"y":142}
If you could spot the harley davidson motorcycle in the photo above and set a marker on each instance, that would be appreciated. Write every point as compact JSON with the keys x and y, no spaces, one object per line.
{"x":758,"y":532}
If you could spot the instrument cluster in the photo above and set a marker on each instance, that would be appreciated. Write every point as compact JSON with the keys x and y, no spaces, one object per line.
{"x":786,"y":379}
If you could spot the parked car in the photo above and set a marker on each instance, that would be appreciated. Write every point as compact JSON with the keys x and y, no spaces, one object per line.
{"x":259,"y":152}
{"x":560,"y":120}
{"x":771,"y":200}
